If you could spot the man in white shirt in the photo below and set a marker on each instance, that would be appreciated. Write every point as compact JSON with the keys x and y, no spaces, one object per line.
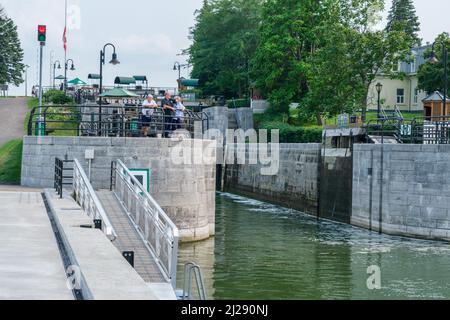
{"x":148,"y":108}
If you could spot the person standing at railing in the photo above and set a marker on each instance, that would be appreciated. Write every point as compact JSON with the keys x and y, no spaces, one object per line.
{"x":180,"y":109}
{"x":148,"y":108}
{"x":169,"y":113}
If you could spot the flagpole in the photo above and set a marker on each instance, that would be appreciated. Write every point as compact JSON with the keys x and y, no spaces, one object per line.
{"x":65,"y":47}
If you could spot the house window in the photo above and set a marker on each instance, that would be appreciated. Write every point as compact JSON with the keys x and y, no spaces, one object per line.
{"x":413,"y":65}
{"x":416,"y":96}
{"x":400,"y":96}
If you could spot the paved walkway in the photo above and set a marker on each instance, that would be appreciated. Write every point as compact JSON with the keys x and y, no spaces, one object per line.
{"x":30,"y":263}
{"x":12,"y":116}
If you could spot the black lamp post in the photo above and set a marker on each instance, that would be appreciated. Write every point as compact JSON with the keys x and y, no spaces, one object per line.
{"x":114,"y":61}
{"x":379,"y":87}
{"x":434,"y":59}
{"x":72,"y":68}
{"x":57,"y":64}
{"x":178,"y":66}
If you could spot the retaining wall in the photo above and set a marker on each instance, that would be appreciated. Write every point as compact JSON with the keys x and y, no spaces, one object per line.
{"x":415,"y":190}
{"x":185,"y":191}
{"x":295,"y":185}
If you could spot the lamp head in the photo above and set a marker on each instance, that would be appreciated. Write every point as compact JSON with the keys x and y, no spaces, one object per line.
{"x":114,"y":60}
{"x":72,"y":68}
{"x":433,"y":59}
{"x":379,"y":87}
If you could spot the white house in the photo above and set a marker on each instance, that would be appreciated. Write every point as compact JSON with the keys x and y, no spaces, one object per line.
{"x":401,"y":93}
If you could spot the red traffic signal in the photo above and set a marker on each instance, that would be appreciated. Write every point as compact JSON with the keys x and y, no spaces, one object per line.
{"x":42,"y":33}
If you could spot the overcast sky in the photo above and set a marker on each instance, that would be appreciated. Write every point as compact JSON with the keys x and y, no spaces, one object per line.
{"x":148,"y":34}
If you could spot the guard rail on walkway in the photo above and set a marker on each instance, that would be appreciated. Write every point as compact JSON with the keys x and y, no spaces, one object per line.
{"x":420,"y":130}
{"x":156,"y":229}
{"x":112,"y":121}
{"x":88,"y":200}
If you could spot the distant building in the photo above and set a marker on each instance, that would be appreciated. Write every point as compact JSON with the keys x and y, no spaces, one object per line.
{"x":401,"y":93}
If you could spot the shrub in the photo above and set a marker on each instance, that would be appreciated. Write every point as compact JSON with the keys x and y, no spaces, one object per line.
{"x":293,"y":134}
{"x":239,"y":103}
{"x":57,"y":97}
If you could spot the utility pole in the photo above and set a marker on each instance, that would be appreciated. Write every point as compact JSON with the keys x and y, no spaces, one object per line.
{"x":42,"y":37}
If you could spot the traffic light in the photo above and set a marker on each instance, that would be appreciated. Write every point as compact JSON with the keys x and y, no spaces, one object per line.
{"x":42,"y":33}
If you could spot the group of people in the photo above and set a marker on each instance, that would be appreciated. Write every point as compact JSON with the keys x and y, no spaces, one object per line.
{"x":173,"y":113}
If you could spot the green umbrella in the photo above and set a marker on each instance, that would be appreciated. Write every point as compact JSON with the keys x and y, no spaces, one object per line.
{"x":59,"y":77}
{"x":77,"y":82}
{"x":118,"y":93}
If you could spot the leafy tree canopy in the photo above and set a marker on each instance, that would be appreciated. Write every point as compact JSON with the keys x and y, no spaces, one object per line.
{"x":11,"y":53}
{"x":431,"y":75}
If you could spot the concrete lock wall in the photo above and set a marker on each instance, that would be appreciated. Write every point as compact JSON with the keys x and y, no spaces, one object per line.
{"x":295,"y":185}
{"x":415,"y":189}
{"x":186,"y":192}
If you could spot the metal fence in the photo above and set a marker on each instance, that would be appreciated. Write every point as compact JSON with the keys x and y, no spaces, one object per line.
{"x":61,"y":179}
{"x":420,"y":130}
{"x":154,"y":226}
{"x":88,"y":200}
{"x":113,"y":121}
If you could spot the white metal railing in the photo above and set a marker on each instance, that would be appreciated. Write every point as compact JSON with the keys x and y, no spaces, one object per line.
{"x":156,"y":229}
{"x":88,"y":200}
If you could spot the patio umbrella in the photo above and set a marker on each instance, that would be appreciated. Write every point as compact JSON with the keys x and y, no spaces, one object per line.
{"x":60,"y":77}
{"x":118,"y":93}
{"x":77,"y":82}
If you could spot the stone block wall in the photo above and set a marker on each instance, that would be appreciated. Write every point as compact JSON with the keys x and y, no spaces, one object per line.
{"x":414,"y":185}
{"x":295,"y":185}
{"x":185,"y":191}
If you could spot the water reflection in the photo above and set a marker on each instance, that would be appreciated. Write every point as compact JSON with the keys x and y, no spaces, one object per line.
{"x":262,"y":251}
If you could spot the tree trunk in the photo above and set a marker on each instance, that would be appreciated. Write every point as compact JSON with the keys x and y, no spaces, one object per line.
{"x":364,"y":107}
{"x":319,"y":119}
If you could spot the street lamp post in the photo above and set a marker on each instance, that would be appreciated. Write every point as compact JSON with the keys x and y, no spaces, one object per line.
{"x":26,"y":80}
{"x":72,"y":68}
{"x":434,"y":59}
{"x":379,"y":87}
{"x":178,"y":66}
{"x":57,"y":64}
{"x":114,"y":61}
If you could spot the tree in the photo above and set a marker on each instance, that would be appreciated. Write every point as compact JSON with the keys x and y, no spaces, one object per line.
{"x":403,"y":13}
{"x":324,"y":54}
{"x":11,"y":53}
{"x":342,"y":71}
{"x":224,"y":39}
{"x":431,"y":75}
{"x":290,"y":32}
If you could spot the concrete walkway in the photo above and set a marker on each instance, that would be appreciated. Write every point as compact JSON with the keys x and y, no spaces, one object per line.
{"x":30,"y":263}
{"x":12,"y":114}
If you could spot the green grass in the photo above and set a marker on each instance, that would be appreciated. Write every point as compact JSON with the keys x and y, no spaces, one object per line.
{"x":11,"y":162}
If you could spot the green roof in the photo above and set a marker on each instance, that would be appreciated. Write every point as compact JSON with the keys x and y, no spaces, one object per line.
{"x":190,"y":82}
{"x":93,"y":76}
{"x":77,"y":82}
{"x":124,"y":80}
{"x":118,"y":93}
{"x":140,"y":78}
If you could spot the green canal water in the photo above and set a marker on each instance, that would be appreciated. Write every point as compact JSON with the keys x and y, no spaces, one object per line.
{"x":263,"y":251}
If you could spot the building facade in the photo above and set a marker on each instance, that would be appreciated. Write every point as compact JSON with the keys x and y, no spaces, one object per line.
{"x":401,"y":93}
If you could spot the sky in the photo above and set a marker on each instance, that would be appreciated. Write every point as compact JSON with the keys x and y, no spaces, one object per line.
{"x":149,"y":35}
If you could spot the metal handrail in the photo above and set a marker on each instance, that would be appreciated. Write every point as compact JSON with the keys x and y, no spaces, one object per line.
{"x":187,"y":283}
{"x":116,"y":121}
{"x":88,"y":200}
{"x":156,"y":229}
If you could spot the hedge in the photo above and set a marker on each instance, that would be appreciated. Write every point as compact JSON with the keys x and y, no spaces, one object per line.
{"x":294,"y":134}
